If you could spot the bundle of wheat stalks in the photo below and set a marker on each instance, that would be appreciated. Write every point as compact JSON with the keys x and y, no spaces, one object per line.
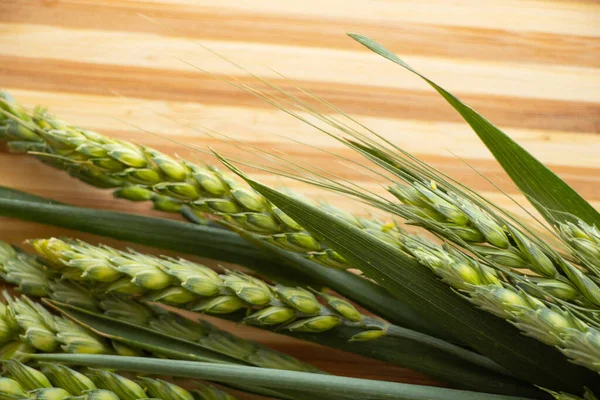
{"x":487,"y":304}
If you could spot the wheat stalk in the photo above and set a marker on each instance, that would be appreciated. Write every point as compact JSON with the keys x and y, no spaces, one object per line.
{"x":456,"y":218}
{"x":45,"y":332}
{"x":41,"y":281}
{"x":58,"y":382}
{"x":558,"y":306}
{"x":584,"y":242}
{"x":146,"y":174}
{"x":121,"y":306}
{"x":184,"y":283}
{"x":480,"y":285}
{"x":143,"y":174}
{"x":198,"y":288}
{"x":34,"y":325}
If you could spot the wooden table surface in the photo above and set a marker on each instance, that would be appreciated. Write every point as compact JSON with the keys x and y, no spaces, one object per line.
{"x":123,"y":68}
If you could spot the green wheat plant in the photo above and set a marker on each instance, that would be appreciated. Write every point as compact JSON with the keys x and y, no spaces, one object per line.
{"x":29,"y":327}
{"x":33,"y":278}
{"x":469,"y":294}
{"x":33,"y":329}
{"x":144,"y":174}
{"x":183,"y":283}
{"x":197,"y":288}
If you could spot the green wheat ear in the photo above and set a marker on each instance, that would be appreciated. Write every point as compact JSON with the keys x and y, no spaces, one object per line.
{"x":74,"y":339}
{"x":198,"y":288}
{"x":139,"y":173}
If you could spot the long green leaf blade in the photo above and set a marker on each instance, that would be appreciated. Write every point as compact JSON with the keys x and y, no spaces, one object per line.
{"x":552,"y":197}
{"x":524,"y":357}
{"x":323,"y":386}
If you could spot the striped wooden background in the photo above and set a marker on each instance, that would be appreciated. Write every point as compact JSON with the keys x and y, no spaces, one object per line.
{"x":530,"y":66}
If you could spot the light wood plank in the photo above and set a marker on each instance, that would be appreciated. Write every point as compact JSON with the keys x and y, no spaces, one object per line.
{"x":531,"y":66}
{"x":572,"y":17}
{"x":322,"y":65}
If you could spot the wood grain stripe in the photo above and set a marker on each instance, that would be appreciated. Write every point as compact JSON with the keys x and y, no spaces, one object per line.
{"x":555,"y":16}
{"x":405,"y":39}
{"x":256,"y":130}
{"x":191,"y":86}
{"x":184,"y":122}
{"x":315,"y":64}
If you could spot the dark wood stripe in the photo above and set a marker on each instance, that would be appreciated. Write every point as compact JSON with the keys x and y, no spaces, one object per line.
{"x":65,"y":76}
{"x":407,"y":38}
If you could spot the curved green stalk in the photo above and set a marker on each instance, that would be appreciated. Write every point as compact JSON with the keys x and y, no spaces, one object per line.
{"x":351,"y":388}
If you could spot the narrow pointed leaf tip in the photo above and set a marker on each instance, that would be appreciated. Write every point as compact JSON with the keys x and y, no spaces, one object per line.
{"x":229,"y":165}
{"x":549,"y":194}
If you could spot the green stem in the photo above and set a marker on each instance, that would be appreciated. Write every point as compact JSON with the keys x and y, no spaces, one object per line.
{"x":408,"y":353}
{"x":321,"y":385}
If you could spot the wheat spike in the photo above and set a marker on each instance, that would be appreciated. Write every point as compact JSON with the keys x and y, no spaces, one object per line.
{"x":140,"y":173}
{"x":198,"y":288}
